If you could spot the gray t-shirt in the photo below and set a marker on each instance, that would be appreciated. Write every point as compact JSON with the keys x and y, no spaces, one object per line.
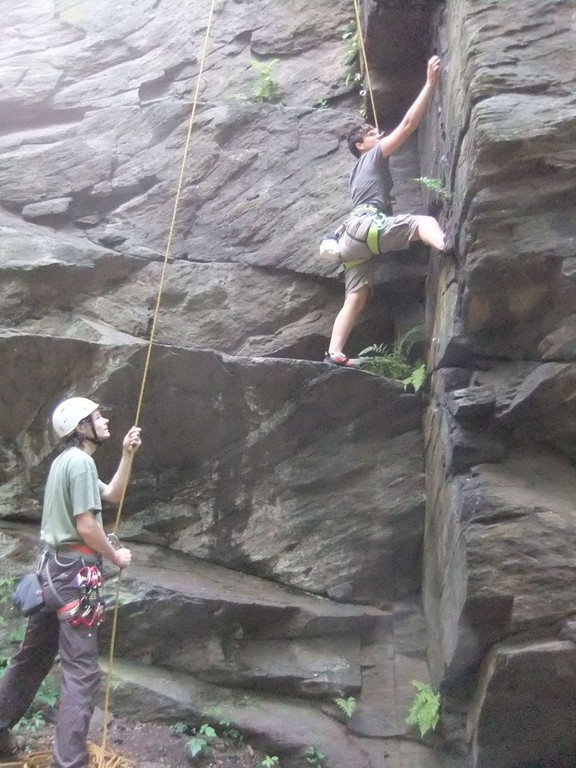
{"x":371,"y":180}
{"x":71,"y":489}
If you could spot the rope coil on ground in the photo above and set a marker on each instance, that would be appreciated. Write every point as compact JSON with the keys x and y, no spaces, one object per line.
{"x":97,"y":758}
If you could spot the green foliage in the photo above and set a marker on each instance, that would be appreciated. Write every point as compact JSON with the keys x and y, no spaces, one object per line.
{"x":270,"y":760}
{"x":416,"y":379}
{"x":200,"y":743}
{"x":6,"y":589}
{"x":32,"y":722}
{"x":266,"y":88}
{"x":314,"y":757}
{"x":347,"y":704}
{"x":353,"y":51}
{"x":17,"y":635}
{"x":396,"y":362}
{"x":232,"y":735}
{"x":354,"y":78}
{"x":202,"y":737}
{"x":180,"y":729}
{"x":390,"y":362}
{"x":48,"y":693}
{"x":425,"y":709}
{"x":352,"y":57}
{"x":227,"y":730}
{"x":434,"y":185}
{"x":46,"y":699}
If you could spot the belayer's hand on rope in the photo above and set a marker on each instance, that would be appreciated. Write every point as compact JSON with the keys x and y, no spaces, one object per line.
{"x":123,"y":555}
{"x":132,"y":440}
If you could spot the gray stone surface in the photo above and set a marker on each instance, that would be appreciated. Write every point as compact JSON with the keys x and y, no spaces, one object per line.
{"x":500,"y":437}
{"x":302,"y":475}
{"x":537,"y":681}
{"x":281,"y":443}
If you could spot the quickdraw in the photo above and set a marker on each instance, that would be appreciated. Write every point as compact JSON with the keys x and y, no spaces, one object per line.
{"x":91,"y":608}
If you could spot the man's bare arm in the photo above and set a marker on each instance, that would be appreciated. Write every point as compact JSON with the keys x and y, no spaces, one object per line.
{"x":93,"y":535}
{"x":113,"y":490}
{"x":413,"y":117}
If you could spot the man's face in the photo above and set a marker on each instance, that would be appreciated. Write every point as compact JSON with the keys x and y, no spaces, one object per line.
{"x":101,"y":431}
{"x":371,"y":138}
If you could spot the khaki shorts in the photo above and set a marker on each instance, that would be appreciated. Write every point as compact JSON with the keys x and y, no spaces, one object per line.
{"x":397,"y":236}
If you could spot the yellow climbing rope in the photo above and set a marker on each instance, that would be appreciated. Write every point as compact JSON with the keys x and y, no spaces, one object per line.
{"x":101,"y":755}
{"x":362,"y":49}
{"x":97,"y":757}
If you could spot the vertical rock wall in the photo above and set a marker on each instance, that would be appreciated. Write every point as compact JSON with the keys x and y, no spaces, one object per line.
{"x":276,"y":510}
{"x":500,"y":562}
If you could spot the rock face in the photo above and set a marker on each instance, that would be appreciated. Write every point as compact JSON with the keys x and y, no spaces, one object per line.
{"x":499,"y":554}
{"x":276,"y":511}
{"x":277,"y":507}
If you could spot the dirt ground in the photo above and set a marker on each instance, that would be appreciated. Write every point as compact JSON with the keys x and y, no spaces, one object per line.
{"x":149,"y":745}
{"x":153,"y":745}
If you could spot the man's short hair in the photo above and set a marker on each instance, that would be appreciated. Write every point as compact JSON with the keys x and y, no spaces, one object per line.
{"x":356,"y":136}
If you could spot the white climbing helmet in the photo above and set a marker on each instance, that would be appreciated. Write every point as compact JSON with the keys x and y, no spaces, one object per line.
{"x":70,"y":413}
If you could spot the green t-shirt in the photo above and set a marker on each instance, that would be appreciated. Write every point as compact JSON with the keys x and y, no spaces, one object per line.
{"x":71,"y":489}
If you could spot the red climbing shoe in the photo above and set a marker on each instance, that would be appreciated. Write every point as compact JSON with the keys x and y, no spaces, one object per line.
{"x":339,"y":358}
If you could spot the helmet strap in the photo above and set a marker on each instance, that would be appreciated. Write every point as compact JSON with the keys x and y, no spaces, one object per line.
{"x":93,"y":439}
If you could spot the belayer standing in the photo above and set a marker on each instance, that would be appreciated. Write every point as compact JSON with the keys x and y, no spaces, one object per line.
{"x":371,"y":228}
{"x":74,"y":544}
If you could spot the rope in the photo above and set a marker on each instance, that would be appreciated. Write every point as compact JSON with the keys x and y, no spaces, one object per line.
{"x":96,"y":757}
{"x":362,"y":48}
{"x":177,"y":197}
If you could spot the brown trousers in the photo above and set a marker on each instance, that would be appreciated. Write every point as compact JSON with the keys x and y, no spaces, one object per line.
{"x":46,"y":636}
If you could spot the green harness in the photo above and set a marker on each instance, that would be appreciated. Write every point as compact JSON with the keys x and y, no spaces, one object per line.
{"x":379,"y":222}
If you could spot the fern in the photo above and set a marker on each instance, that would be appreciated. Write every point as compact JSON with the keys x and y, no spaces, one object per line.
{"x":434,"y":185}
{"x":347,"y":704}
{"x":425,"y":709}
{"x":416,"y":379}
{"x":393,"y":363}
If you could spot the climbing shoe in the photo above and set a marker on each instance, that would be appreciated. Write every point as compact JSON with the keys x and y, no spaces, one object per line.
{"x":339,"y":358}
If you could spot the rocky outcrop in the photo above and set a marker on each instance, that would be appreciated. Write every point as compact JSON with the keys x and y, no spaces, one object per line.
{"x":277,"y":506}
{"x":499,"y":565}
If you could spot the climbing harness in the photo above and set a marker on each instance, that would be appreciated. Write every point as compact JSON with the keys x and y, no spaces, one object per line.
{"x":89,"y":609}
{"x":357,"y":240}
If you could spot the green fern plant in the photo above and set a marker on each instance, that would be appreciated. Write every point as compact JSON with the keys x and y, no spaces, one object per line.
{"x":347,"y":704}
{"x":269,"y":761}
{"x":385,"y":361}
{"x":392,"y":363}
{"x":314,"y":757}
{"x":397,"y":361}
{"x":266,"y":88}
{"x":416,"y":378}
{"x":435,"y":186}
{"x":351,"y":34}
{"x":425,"y":709}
